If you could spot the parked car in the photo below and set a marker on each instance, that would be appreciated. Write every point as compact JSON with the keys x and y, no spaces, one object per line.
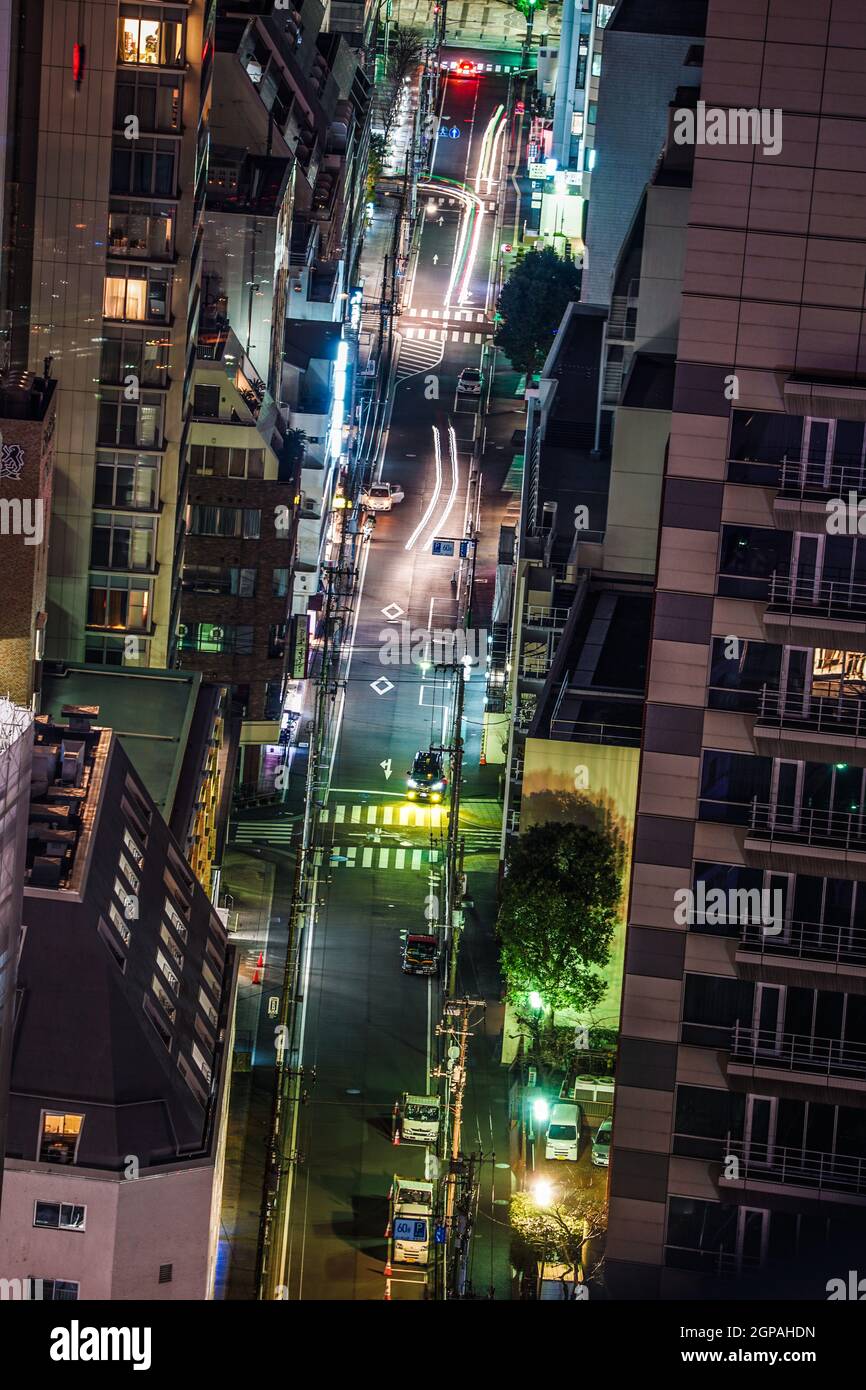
{"x":601,"y":1144}
{"x":563,"y":1131}
{"x":381,"y":497}
{"x":470,"y":382}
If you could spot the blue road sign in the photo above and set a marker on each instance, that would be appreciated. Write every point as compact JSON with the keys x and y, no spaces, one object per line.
{"x":454,"y":132}
{"x":443,"y":132}
{"x":464,"y":549}
{"x":443,"y":547}
{"x":439,"y":1235}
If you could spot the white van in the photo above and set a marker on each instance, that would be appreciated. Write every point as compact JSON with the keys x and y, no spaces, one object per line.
{"x":563,"y":1131}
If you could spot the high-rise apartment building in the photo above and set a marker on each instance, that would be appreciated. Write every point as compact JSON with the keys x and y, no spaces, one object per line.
{"x":740,"y":1123}
{"x":104,"y":204}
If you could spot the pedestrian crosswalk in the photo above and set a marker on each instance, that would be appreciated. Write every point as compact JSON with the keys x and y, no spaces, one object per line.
{"x":442,"y":335}
{"x":418,"y":356}
{"x":448,"y":315}
{"x":369,"y":821}
{"x":420,"y":817}
{"x":391,"y":857}
{"x":271,"y":832}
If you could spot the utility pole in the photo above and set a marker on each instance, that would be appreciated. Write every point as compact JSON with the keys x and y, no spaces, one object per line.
{"x":457,"y":1027}
{"x":453,"y":853}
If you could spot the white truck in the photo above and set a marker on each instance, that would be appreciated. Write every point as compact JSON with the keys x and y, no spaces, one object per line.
{"x":411,"y":1220}
{"x":418,"y":1119}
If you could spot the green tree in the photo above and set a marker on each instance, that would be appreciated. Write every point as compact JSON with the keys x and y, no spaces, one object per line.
{"x":532,"y":302}
{"x":375,"y":163}
{"x":558,"y":912}
{"x":567,"y":1232}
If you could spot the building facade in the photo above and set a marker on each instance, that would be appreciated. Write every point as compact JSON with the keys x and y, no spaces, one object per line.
{"x":740,"y":1120}
{"x":122,"y":1042}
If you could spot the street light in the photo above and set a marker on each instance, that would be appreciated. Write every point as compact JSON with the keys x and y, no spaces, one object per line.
{"x":542,"y":1192}
{"x":540,"y":1111}
{"x":535,"y":1001}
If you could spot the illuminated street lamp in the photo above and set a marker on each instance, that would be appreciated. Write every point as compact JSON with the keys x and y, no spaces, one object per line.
{"x":540,"y":1111}
{"x":542,"y":1192}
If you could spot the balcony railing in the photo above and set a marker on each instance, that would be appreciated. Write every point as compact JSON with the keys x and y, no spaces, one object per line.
{"x":817,"y":478}
{"x":841,"y":714}
{"x":829,"y":598}
{"x":819,"y":941}
{"x":798,"y":1052}
{"x":808,"y":825}
{"x":776,"y":1163}
{"x":540,"y":615}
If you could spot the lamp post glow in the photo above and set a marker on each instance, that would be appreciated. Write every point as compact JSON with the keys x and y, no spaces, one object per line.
{"x":542,"y":1192}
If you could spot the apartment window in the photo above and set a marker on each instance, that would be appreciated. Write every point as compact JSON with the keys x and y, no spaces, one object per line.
{"x":245,"y":522}
{"x":131,"y":353}
{"x":273,"y":699}
{"x":175,"y":918}
{"x":191,"y":1080}
{"x":738,"y":680}
{"x":277,"y":640}
{"x":577,"y":122}
{"x":59,"y":1290}
{"x":118,"y":601}
{"x":749,"y":556}
{"x":109,"y":940}
{"x":174,"y":950}
{"x":210,"y":979}
{"x":149,"y":42}
{"x":126,"y":480}
{"x":706,"y":1119}
{"x":165,"y":1273}
{"x":592,"y":112}
{"x":165,"y":999}
{"x":240,"y":582}
{"x":144,"y":167}
{"x":206,"y":402}
{"x":137,"y":854}
{"x":59,"y":1216}
{"x":596,"y":65}
{"x":168,"y":972}
{"x":60,"y":1136}
{"x":218,"y":461}
{"x":120,"y":922}
{"x":217,"y":637}
{"x":129,"y":873}
{"x":603,"y":14}
{"x":128,"y":425}
{"x":128,"y":899}
{"x":136,"y":230}
{"x":730,"y":784}
{"x":114,"y":651}
{"x":154,"y":1014}
{"x":711,"y":1007}
{"x":280,"y":582}
{"x":137,"y":295}
{"x":207,"y":1008}
{"x":202,"y":1063}
{"x":153,"y":99}
{"x":123,"y":542}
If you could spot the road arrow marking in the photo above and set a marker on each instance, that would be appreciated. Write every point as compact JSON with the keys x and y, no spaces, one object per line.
{"x":386,"y":766}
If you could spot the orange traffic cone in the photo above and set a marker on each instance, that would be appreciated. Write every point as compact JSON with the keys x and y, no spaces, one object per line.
{"x":388,"y":1270}
{"x":261,"y":960}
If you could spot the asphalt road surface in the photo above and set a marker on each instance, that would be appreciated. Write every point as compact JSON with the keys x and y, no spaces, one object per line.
{"x":367,"y":1029}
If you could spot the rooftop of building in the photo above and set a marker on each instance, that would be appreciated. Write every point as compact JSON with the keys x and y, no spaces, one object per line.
{"x":150,"y":711}
{"x":26,"y":396}
{"x":688,"y":17}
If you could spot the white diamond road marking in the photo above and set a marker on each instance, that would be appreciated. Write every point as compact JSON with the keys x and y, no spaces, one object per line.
{"x":392,"y":612}
{"x":382,"y":685}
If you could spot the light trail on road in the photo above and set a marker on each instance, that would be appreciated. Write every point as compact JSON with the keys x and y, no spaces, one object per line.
{"x":437,"y":446}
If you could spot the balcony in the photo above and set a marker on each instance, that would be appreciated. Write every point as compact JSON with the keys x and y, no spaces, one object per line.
{"x":806,"y":485}
{"x":805,"y":610}
{"x":767,"y":1166}
{"x":808,"y":953}
{"x":827,"y":1069}
{"x":806,"y":840}
{"x":793,"y":725}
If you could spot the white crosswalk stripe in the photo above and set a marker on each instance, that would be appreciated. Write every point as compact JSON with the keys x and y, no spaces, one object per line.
{"x":369,"y":818}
